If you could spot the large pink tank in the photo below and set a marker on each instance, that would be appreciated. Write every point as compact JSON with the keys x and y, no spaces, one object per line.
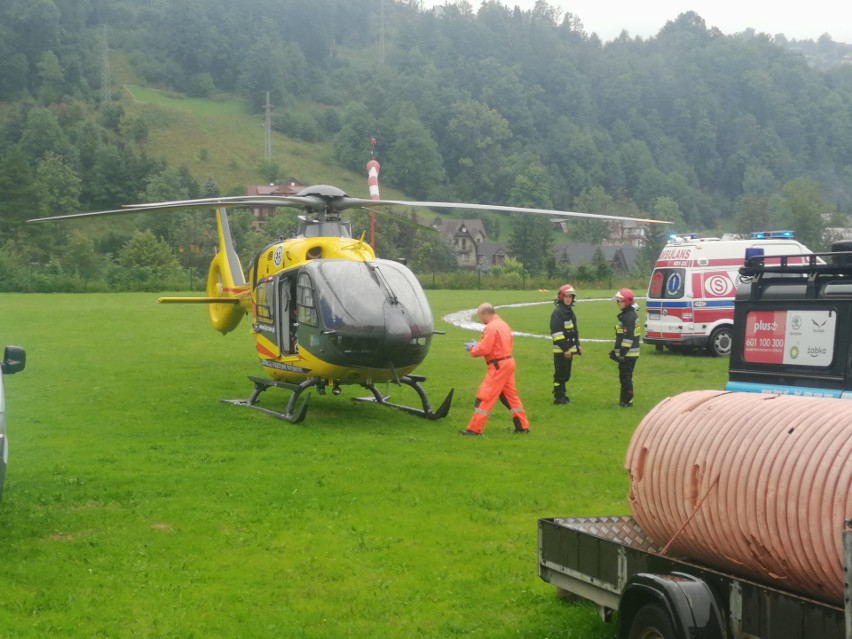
{"x":758,"y":485}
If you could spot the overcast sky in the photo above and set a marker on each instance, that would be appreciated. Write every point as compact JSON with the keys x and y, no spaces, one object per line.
{"x":607,"y":18}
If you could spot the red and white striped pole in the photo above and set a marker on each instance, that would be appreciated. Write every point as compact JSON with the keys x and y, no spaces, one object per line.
{"x":373,"y":168}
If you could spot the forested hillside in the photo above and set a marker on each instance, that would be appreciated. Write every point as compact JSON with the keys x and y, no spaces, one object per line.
{"x":713,"y":131}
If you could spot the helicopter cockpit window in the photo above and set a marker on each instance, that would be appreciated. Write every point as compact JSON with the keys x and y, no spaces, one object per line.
{"x":354,"y":296}
{"x":305,"y":300}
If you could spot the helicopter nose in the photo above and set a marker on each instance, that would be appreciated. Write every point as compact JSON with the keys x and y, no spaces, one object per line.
{"x":397,"y":328}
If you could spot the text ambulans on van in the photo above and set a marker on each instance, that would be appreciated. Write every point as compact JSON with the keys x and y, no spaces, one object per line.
{"x":692,"y":289}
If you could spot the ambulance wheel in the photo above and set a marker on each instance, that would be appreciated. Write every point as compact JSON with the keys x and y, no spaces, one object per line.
{"x":720,"y":342}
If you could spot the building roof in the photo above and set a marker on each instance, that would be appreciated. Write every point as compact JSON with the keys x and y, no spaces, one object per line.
{"x":454,"y":227}
{"x":621,"y":257}
{"x":290,"y":186}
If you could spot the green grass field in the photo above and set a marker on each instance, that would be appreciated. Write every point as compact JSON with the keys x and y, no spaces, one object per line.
{"x":138,"y":505}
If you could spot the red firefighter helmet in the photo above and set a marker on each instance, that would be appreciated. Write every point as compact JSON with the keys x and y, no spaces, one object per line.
{"x":565,"y":289}
{"x":625,"y":294}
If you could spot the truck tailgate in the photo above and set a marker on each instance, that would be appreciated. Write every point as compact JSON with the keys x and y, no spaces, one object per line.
{"x":582,"y":555}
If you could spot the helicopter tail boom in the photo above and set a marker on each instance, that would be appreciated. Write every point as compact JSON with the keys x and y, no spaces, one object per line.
{"x":200,"y":300}
{"x":226,"y":282}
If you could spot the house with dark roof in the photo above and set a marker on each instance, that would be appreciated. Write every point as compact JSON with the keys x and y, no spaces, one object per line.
{"x":626,"y":233}
{"x":492,"y":254}
{"x":621,"y":232}
{"x":620,"y":258}
{"x":473,"y":249}
{"x":466,"y":238}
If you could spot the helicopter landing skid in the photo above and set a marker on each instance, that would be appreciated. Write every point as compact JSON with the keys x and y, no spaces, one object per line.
{"x":414,"y":382}
{"x":293,"y":413}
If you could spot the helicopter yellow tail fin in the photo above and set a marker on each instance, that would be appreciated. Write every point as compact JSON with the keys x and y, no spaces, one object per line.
{"x":225,"y":280}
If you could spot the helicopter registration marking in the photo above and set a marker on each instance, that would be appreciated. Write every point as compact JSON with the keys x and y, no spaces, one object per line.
{"x":283,"y":367}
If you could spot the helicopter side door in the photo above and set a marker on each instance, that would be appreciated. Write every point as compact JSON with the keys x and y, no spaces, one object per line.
{"x":286,"y":315}
{"x":276,"y":312}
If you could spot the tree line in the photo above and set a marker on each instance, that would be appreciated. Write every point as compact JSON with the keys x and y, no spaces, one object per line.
{"x":715,"y":132}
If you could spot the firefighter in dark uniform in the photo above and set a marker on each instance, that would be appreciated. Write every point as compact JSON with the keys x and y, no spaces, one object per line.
{"x":566,"y":341}
{"x":626,"y":351}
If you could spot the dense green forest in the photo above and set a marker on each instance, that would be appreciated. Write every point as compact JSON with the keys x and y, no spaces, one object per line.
{"x":716,"y":132}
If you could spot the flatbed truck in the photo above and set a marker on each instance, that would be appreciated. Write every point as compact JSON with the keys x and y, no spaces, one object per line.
{"x":612,"y":562}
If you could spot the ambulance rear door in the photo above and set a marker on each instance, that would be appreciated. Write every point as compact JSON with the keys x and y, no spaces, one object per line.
{"x":669,"y":309}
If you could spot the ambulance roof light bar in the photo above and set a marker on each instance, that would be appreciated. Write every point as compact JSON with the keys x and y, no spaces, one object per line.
{"x":765,"y":235}
{"x":680,"y":238}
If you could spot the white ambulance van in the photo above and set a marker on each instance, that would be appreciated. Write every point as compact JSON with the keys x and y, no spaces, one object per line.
{"x":691,"y":293}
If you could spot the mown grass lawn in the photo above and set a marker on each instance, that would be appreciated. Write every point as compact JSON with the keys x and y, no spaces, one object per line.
{"x":138,"y":505}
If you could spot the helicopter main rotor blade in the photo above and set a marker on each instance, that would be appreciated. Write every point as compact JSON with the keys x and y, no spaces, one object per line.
{"x":405,"y":220}
{"x":350,"y":202}
{"x":296,"y":202}
{"x":342,"y":201}
{"x":238,"y":201}
{"x":71,"y":216}
{"x":324,"y":199}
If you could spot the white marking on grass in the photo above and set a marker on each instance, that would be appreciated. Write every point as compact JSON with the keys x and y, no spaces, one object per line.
{"x":462,"y":319}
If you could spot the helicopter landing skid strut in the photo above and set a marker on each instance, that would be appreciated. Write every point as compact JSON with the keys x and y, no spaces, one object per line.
{"x":414,"y":382}
{"x":293,"y":414}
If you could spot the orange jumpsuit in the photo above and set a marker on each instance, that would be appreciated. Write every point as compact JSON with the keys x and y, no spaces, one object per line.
{"x":499,"y":383}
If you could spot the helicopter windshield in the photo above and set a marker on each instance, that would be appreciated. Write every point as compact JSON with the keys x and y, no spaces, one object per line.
{"x":354,"y":296}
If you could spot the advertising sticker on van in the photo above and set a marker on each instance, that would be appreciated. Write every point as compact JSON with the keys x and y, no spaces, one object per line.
{"x":803,"y":338}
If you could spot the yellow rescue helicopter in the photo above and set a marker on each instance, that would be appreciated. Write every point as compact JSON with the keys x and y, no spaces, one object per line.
{"x":326,"y":312}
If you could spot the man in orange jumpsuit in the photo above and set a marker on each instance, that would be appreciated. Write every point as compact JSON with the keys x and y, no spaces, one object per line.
{"x":499,"y":383}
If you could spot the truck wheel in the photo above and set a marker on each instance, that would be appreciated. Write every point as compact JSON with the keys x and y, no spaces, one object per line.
{"x":720,"y":341}
{"x":651,"y":622}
